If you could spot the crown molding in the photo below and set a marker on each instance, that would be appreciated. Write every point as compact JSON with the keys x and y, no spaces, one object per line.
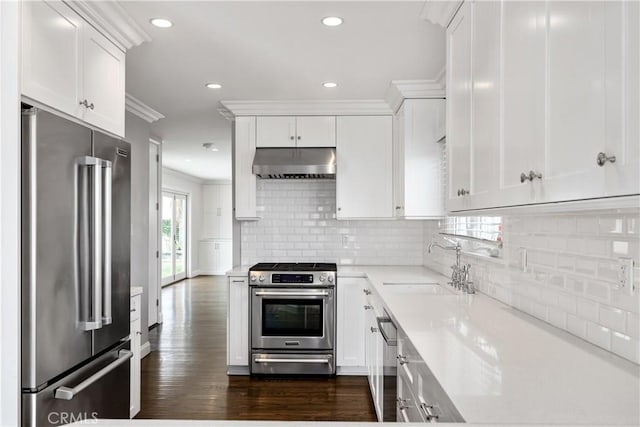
{"x":142,"y":110}
{"x":307,"y":108}
{"x":440,"y":12}
{"x":226,"y":113}
{"x":399,"y":90}
{"x":113,"y":19}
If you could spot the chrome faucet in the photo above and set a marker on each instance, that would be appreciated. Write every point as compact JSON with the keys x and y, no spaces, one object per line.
{"x":459,"y":274}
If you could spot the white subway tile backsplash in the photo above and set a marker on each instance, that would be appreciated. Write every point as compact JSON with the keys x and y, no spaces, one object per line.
{"x":599,"y":335}
{"x":625,"y":346}
{"x":613,"y":318}
{"x":571,"y":280}
{"x":298,"y":224}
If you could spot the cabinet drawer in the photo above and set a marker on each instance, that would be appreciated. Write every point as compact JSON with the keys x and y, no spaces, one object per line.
{"x":135,"y":309}
{"x":408,"y":410}
{"x":429,"y":394}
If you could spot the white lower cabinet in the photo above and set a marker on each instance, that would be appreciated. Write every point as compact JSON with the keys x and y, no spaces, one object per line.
{"x":374,"y":349}
{"x":350,"y":321}
{"x":136,"y":333}
{"x":420,"y":396}
{"x":238,"y":324}
{"x":215,"y":256}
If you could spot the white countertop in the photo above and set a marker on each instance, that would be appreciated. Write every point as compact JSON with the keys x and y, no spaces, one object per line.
{"x":240,"y":270}
{"x":136,"y":290}
{"x":499,"y":365}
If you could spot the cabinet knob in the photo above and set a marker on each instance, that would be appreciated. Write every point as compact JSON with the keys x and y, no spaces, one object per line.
{"x":402,"y":359}
{"x":462,"y":192}
{"x":398,"y":208}
{"x":299,"y":137}
{"x":86,"y":104}
{"x":602,"y":159}
{"x":374,"y":330}
{"x":367,"y":307}
{"x":366,"y":291}
{"x":292,"y":137}
{"x":530,"y":176}
{"x":339,"y":209}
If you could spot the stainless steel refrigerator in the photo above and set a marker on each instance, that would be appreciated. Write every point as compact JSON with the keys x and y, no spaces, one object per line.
{"x":76,"y":186}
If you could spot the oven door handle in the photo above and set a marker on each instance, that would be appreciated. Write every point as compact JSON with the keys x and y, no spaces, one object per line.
{"x":269,"y":360}
{"x":291,"y":294}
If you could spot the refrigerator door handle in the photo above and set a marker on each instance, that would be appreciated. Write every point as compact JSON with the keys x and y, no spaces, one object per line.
{"x":106,"y":243}
{"x":67,"y":393}
{"x":92,"y":191}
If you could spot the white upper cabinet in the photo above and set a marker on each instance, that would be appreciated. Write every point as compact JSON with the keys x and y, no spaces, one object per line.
{"x":553,"y":85}
{"x":217,"y":211}
{"x":103,"y":82}
{"x":290,"y":131}
{"x":244,"y":181}
{"x":523,"y":88}
{"x":459,"y":107}
{"x":418,"y":159}
{"x":68,"y":65}
{"x":51,"y":75}
{"x":364,"y":173}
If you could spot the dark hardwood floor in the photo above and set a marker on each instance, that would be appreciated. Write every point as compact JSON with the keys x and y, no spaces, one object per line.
{"x":185,"y":377}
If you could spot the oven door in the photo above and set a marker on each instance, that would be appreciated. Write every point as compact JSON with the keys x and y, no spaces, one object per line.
{"x":292,"y":318}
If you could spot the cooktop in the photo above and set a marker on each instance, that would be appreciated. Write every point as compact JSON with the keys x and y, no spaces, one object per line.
{"x":294,"y":266}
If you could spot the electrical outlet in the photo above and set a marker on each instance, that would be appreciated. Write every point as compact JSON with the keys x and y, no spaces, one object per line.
{"x":625,"y":274}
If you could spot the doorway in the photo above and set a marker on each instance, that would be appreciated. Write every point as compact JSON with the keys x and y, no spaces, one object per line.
{"x":174,"y":237}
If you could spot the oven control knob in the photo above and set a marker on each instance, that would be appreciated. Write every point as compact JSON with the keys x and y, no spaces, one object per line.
{"x":261,"y":278}
{"x":254,"y":278}
{"x":330,"y":279}
{"x":323,"y":277}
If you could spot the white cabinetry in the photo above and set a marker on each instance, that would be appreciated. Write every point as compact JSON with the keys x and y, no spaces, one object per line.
{"x":417,"y":159}
{"x":238,"y":324}
{"x":350,"y":321}
{"x":576,"y":65}
{"x":364,"y":173}
{"x":290,"y":131}
{"x":374,"y":350}
{"x":136,"y":333}
{"x":68,"y":65}
{"x":215,"y":256}
{"x":244,"y":180}
{"x":217,"y":211}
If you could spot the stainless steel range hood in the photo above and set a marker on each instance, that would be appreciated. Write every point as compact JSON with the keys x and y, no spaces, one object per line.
{"x":295,"y":163}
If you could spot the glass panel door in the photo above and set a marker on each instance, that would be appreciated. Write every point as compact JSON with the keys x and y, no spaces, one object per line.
{"x":174,"y":237}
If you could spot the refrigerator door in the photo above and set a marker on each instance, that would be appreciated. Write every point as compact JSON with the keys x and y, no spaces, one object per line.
{"x":97,"y":390}
{"x":55,"y":294}
{"x":116,"y":294}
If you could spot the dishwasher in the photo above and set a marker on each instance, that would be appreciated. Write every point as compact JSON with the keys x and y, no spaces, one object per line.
{"x":389,"y":371}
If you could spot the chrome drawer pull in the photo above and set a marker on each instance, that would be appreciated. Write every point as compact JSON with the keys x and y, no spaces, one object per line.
{"x":267,"y":360}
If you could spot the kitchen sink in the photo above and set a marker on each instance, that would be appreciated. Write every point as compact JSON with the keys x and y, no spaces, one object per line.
{"x":419,"y":288}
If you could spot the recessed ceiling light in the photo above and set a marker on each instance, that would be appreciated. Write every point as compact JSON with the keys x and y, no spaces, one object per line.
{"x":187,"y":160}
{"x":330,"y":84}
{"x":161,"y":22}
{"x":332,"y":21}
{"x":210,"y":146}
{"x":213,"y":85}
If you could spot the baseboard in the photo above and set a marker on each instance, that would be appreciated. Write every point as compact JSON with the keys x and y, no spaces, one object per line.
{"x":194,"y":273}
{"x":237,"y":370}
{"x":145,"y":349}
{"x":352,"y":370}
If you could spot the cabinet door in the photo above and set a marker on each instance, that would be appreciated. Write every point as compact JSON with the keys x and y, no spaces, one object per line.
{"x":244,"y":180}
{"x":276,"y":132}
{"x":522,"y":145}
{"x":225,"y":261}
{"x":422,"y":160}
{"x":103,"y":74}
{"x":577,"y":98}
{"x":226,"y":222}
{"x":398,"y":162}
{"x":485,"y":117}
{"x":136,"y":332}
{"x":51,"y":36}
{"x":623,"y":176}
{"x":316,"y":131}
{"x":350,"y":323}
{"x":238,"y":321}
{"x":459,"y":106}
{"x":364,"y":167}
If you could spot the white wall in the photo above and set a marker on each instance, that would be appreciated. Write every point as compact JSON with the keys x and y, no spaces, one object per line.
{"x":571,"y":277}
{"x":298,"y":225}
{"x":182,"y":183}
{"x":137,"y":134}
{"x":9,"y":216}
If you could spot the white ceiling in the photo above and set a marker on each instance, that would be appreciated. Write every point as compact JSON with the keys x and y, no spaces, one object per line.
{"x":267,"y":50}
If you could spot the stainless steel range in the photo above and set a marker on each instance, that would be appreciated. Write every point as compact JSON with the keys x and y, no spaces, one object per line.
{"x":293,"y":308}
